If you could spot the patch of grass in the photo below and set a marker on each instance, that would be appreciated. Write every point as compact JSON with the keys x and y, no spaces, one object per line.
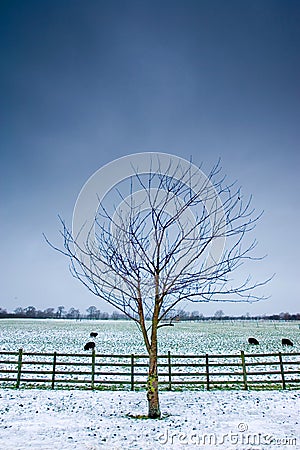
{"x":111,"y":387}
{"x":144,"y":417}
{"x":137,"y":416}
{"x":162,"y":388}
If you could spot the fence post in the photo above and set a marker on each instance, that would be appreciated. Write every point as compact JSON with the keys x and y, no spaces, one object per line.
{"x":170,"y":372}
{"x":207,"y":371}
{"x":281,"y":370}
{"x":53,"y":370}
{"x":19,"y":367}
{"x":244,"y":370}
{"x":132,"y":372}
{"x":93,"y":368}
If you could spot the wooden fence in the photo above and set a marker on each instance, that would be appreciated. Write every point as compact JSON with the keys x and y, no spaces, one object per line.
{"x":97,"y":371}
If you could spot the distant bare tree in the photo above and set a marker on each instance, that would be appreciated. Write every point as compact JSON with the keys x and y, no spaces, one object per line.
{"x":219,"y":314}
{"x":30,"y":311}
{"x":19,"y":311}
{"x":3,"y":312}
{"x":156,"y":250}
{"x":92,"y":312}
{"x":73,"y":313}
{"x":60,"y":311}
{"x":49,"y":312}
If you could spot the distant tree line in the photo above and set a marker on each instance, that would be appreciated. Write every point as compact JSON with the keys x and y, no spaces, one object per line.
{"x":92,"y":313}
{"x":60,"y":313}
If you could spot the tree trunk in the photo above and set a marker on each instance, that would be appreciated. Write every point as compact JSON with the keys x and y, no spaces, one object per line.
{"x":152,"y":386}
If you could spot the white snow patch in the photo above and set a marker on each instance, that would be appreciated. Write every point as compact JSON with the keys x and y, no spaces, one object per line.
{"x":90,"y":420}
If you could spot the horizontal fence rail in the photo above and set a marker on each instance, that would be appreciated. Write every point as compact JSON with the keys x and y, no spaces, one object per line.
{"x":97,"y":371}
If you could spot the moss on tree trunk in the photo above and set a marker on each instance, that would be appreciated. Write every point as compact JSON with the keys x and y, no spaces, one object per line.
{"x":152,"y":388}
{"x":152,"y":395}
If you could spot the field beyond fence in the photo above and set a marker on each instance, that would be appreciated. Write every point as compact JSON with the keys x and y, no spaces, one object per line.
{"x":104,"y":371}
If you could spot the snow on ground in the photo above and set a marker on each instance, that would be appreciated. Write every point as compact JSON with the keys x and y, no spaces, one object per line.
{"x":90,"y":420}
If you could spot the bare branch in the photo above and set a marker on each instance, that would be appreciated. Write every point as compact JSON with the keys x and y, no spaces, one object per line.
{"x":155,"y":250}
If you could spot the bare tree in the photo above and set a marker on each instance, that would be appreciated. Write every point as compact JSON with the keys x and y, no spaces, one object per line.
{"x":30,"y":311}
{"x":165,"y":245}
{"x":60,"y":311}
{"x":19,"y":311}
{"x":49,"y":312}
{"x":92,"y":312}
{"x":219,"y":314}
{"x":73,"y":313}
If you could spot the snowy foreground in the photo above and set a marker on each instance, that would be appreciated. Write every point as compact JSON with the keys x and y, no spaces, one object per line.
{"x":41,"y":419}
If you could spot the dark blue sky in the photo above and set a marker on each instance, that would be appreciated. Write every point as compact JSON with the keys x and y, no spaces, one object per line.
{"x":85,"y":82}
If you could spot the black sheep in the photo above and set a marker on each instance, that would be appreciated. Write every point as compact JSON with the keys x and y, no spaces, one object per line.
{"x":89,"y":346}
{"x":285,"y":341}
{"x":93,"y":334}
{"x":253,"y":341}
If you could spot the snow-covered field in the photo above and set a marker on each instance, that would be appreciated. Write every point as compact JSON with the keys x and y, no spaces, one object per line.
{"x":86,"y":420}
{"x":123,"y":337}
{"x":76,"y":419}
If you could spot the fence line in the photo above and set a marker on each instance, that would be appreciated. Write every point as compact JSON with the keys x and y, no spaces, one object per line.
{"x":244,"y":371}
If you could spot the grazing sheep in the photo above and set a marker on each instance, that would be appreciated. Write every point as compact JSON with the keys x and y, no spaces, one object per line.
{"x":93,"y":334}
{"x":253,"y":341}
{"x":89,"y":346}
{"x":286,"y":342}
